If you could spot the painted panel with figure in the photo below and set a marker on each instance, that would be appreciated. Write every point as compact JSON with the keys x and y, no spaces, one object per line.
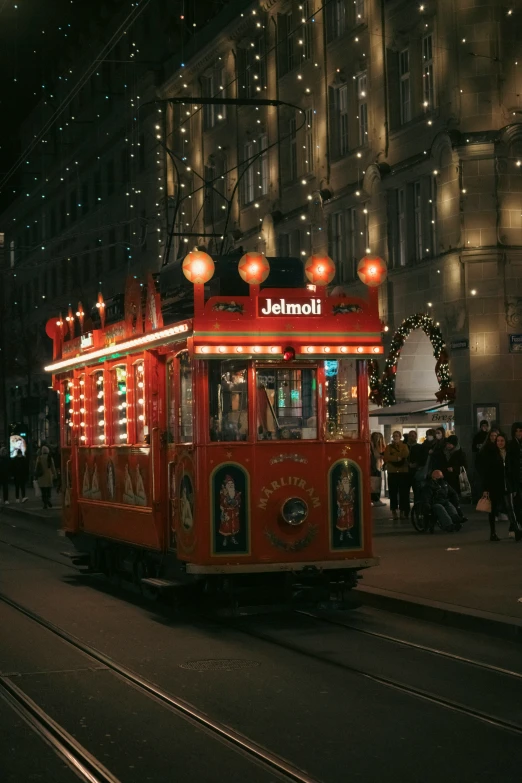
{"x":115,"y":476}
{"x":230,"y":510}
{"x":345,"y":505}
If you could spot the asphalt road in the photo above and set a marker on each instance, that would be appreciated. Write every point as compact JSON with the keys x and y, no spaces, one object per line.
{"x":340,"y":704}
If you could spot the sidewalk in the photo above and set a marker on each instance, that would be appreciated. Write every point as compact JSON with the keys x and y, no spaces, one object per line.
{"x":460,"y":579}
{"x":33,"y":509}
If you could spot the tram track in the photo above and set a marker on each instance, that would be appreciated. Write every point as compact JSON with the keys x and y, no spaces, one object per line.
{"x":85,"y":766}
{"x":397,"y":685}
{"x":243,"y":743}
{"x":413,"y":645}
{"x":264,"y":758}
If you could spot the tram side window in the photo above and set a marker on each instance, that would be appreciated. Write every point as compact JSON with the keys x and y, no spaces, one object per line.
{"x":185,"y":399}
{"x":228,"y":400}
{"x":98,"y":407}
{"x":171,"y":402}
{"x":83,"y":411}
{"x":119,"y":405}
{"x":286,"y":404}
{"x":67,"y":412}
{"x":139,"y":403}
{"x":342,"y":417}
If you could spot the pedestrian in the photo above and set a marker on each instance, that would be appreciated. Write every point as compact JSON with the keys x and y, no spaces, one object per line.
{"x":482,"y":455}
{"x":497,"y":483}
{"x":45,"y":473}
{"x":377,"y":447}
{"x":411,"y":442}
{"x":441,"y":500}
{"x":20,"y":470}
{"x":396,"y":458}
{"x":5,"y":473}
{"x":514,"y":450}
{"x":480,"y":436}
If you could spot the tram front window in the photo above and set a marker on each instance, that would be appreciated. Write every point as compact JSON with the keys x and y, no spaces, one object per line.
{"x":286,"y":404}
{"x":342,"y":417}
{"x":228,"y":400}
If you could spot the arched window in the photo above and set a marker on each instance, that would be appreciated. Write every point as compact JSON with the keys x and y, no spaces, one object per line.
{"x":98,"y":408}
{"x":171,"y":402}
{"x":119,"y":405}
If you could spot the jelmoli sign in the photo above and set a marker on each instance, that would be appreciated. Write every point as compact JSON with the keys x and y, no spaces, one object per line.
{"x":310,"y":306}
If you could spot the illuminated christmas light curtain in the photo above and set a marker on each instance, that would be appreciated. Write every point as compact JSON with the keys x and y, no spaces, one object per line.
{"x":67,"y":412}
{"x":139,"y":402}
{"x":98,"y":406}
{"x":119,"y":405}
{"x":83,"y":412}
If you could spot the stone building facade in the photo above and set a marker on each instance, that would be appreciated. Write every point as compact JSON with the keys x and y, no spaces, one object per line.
{"x":397,"y":132}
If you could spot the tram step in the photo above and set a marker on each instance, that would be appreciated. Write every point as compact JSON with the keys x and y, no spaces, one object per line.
{"x":160,"y":584}
{"x":76,"y":555}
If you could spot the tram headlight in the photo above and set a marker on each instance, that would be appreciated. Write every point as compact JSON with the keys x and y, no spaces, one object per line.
{"x":294,"y":511}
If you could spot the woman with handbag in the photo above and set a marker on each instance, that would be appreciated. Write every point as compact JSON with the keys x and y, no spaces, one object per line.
{"x":396,"y":458}
{"x":377,"y":448}
{"x":497,"y":485}
{"x":45,"y":473}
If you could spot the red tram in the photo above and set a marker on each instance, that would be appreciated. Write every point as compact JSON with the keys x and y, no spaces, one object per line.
{"x":231,"y":445}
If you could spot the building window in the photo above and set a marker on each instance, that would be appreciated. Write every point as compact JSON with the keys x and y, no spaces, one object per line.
{"x":432,"y":215}
{"x":309,"y":142}
{"x":428,"y":87}
{"x":86,"y":259}
{"x":401,"y":227}
{"x":304,"y":33}
{"x":362,"y":107}
{"x":213,"y":87}
{"x":112,"y":248}
{"x":110,"y":177}
{"x":252,"y":69}
{"x":346,"y":242}
{"x":293,"y":149}
{"x":404,"y":86}
{"x":339,"y":114}
{"x":359,"y":11}
{"x":255,"y":177}
{"x":85,"y":198}
{"x":417,"y":220}
{"x":335,"y":19}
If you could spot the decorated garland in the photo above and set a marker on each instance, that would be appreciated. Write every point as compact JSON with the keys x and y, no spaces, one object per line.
{"x":383,"y":393}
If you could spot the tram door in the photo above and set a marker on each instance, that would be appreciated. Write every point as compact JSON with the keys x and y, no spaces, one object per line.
{"x":180,"y":452}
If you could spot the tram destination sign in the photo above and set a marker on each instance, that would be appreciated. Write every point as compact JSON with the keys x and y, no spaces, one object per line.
{"x":268,"y":306}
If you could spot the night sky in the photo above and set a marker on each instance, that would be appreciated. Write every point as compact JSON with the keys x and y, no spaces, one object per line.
{"x":38,"y":39}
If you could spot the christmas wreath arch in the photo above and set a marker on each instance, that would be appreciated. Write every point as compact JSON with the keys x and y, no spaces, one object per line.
{"x":383,"y":392}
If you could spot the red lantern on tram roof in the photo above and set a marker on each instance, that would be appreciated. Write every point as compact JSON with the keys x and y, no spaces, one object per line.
{"x":372,"y":270}
{"x":198,"y":267}
{"x":254,"y":268}
{"x":320,"y":269}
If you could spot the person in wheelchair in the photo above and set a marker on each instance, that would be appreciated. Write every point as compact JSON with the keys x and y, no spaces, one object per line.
{"x":441,"y":501}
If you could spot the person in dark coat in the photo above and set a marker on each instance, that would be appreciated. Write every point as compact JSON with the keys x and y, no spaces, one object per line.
{"x":497,"y":483}
{"x":441,"y":500}
{"x":20,"y":469}
{"x":450,"y":460}
{"x":5,"y":473}
{"x":484,"y":454}
{"x":514,"y":451}
{"x":480,"y":436}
